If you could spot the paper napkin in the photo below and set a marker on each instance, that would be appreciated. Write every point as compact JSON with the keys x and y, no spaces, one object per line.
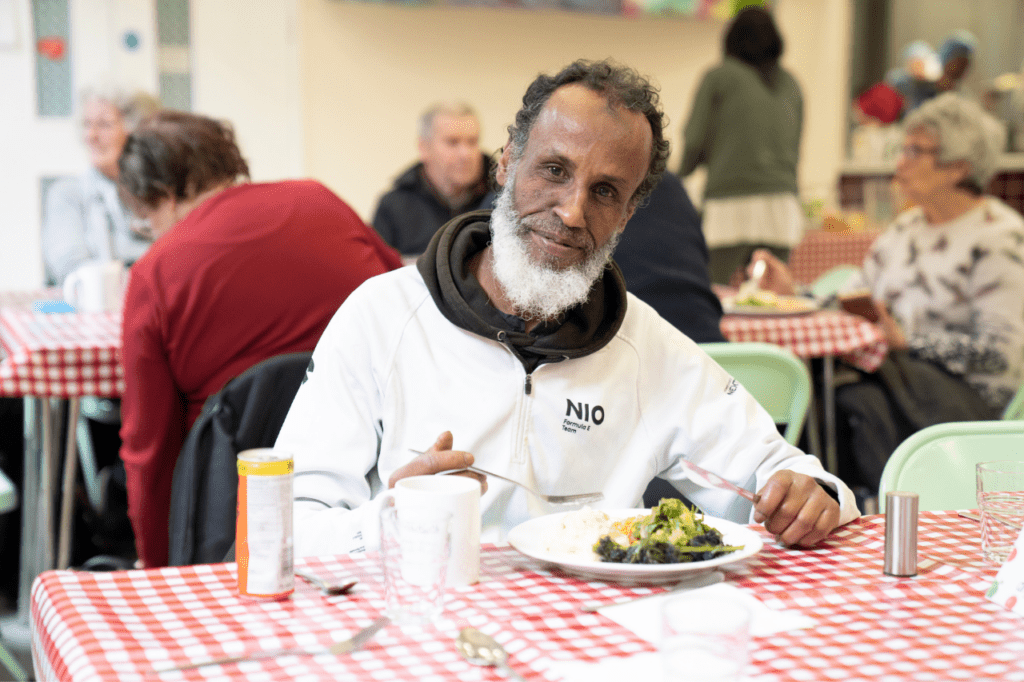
{"x":1008,"y":588}
{"x":644,"y":617}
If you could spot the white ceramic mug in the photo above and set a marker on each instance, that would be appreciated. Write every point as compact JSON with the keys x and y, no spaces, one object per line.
{"x":459,"y":496}
{"x":96,"y":287}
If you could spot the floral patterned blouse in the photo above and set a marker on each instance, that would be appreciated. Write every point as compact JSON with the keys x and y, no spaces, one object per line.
{"x":957,"y":290}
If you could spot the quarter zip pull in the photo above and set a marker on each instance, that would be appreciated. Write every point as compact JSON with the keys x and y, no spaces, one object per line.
{"x":529,"y":384}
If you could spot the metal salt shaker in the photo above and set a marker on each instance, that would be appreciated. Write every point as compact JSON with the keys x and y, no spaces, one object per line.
{"x":900,"y":534}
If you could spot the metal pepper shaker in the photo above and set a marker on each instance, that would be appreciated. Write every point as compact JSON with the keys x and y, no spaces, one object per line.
{"x":900,"y":534}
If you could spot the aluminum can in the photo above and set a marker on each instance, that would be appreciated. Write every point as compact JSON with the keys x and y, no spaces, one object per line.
{"x":264,"y":533}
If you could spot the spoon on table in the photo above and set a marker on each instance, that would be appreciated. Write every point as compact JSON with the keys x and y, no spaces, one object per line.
{"x":481,"y":649}
{"x":326,"y":588}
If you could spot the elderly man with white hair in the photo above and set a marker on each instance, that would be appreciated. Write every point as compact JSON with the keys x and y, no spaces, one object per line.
{"x":947,"y":280}
{"x":84,"y":219}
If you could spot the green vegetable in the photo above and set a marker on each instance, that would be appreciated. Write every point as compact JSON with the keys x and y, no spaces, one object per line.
{"x":670,"y":534}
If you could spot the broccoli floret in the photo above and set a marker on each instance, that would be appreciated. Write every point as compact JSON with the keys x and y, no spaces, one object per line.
{"x":609,"y":550}
{"x":672,"y":533}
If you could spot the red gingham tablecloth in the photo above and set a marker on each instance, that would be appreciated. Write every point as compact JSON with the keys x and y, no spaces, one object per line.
{"x":819,"y":334}
{"x":61,"y":355}
{"x":937,"y":626}
{"x":821,"y":250}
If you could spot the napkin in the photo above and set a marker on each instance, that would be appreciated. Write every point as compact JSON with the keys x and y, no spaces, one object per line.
{"x":644,"y":617}
{"x":1008,"y":588}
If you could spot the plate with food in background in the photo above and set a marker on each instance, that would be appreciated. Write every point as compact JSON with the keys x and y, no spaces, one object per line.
{"x":768,"y":303}
{"x":665,"y":544}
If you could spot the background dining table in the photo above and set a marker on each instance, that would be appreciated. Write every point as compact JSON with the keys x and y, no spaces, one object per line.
{"x":824,"y":334}
{"x":51,"y":360}
{"x":935,"y":626}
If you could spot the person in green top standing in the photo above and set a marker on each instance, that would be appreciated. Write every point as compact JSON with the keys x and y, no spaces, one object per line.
{"x":745,"y":128}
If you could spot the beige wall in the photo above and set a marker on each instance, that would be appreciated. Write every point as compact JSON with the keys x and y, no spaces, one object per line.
{"x":331,"y":88}
{"x":368,"y":70}
{"x":245,"y":66}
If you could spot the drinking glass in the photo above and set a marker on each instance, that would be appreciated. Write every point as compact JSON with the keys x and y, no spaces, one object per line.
{"x":415,"y":545}
{"x":704,"y":639}
{"x":1001,"y":500}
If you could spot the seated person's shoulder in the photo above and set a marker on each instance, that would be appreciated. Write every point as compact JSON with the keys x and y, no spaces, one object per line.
{"x":65,"y":189}
{"x":643,"y":325}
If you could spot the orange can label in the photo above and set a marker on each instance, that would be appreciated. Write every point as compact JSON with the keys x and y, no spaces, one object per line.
{"x":263,"y":534}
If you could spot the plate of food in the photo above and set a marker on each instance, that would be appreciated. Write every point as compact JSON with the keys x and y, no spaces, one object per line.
{"x":767,"y":303}
{"x":665,"y":544}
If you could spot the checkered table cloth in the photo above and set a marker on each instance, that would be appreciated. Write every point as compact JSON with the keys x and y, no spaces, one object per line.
{"x":819,"y":334}
{"x":821,"y":250}
{"x":937,"y":626}
{"x":60,"y":355}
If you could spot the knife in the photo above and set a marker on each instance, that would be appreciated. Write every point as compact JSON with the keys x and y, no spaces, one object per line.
{"x":706,"y":479}
{"x":346,"y":646}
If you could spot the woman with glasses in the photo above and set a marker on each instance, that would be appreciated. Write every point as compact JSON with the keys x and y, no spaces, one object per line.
{"x":84,"y":219}
{"x":947,"y":283}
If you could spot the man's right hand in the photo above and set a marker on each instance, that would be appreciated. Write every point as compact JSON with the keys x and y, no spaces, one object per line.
{"x":440,"y":457}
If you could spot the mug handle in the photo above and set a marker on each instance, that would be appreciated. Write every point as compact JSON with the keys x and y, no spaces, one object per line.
{"x":70,"y":290}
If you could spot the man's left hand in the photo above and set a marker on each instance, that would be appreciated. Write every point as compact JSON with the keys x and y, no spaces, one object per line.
{"x":795,"y":509}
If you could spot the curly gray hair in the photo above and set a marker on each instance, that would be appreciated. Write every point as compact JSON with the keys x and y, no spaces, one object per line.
{"x":132,"y":105}
{"x":965,"y":133}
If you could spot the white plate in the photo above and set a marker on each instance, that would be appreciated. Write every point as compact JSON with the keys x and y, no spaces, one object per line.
{"x":529,"y":539}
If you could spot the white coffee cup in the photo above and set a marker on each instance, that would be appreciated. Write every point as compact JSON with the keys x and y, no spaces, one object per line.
{"x":96,"y":287}
{"x":460,"y":496}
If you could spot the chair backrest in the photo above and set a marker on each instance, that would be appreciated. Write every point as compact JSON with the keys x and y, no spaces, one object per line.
{"x":829,"y":283}
{"x":938,"y":462}
{"x":1015,"y":410}
{"x":8,"y":494}
{"x":778,"y":380}
{"x":247,"y":413}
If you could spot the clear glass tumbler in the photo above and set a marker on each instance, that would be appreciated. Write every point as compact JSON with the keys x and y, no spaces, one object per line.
{"x":414,"y":550}
{"x":1001,"y":501}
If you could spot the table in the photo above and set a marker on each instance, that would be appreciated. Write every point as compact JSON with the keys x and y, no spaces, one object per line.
{"x":936,"y":626}
{"x":820,"y":250}
{"x":51,"y":360}
{"x":825,"y":334}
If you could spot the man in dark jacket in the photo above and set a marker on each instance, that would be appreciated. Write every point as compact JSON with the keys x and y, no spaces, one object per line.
{"x":450,"y":179}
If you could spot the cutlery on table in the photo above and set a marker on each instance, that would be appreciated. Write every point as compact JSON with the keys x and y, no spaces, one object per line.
{"x":346,"y":646}
{"x":326,"y":589}
{"x":706,"y":479}
{"x":698,"y":581}
{"x":579,"y":498}
{"x":481,"y":649}
{"x":1005,"y":522}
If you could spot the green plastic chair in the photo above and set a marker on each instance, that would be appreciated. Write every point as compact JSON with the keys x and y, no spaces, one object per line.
{"x":778,"y":380}
{"x":938,"y":462}
{"x":829,"y":283}
{"x":1015,"y":410}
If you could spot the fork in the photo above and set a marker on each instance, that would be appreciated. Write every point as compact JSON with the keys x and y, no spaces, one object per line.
{"x":579,"y":498}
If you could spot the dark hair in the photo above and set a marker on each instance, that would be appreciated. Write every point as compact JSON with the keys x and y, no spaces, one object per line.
{"x":177,"y":154}
{"x":621,"y":85}
{"x":754,"y":39}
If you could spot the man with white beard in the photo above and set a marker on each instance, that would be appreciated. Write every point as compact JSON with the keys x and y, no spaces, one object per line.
{"x":515,"y":338}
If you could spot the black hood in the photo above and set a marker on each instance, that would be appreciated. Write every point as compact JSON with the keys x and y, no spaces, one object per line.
{"x":457,"y":293}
